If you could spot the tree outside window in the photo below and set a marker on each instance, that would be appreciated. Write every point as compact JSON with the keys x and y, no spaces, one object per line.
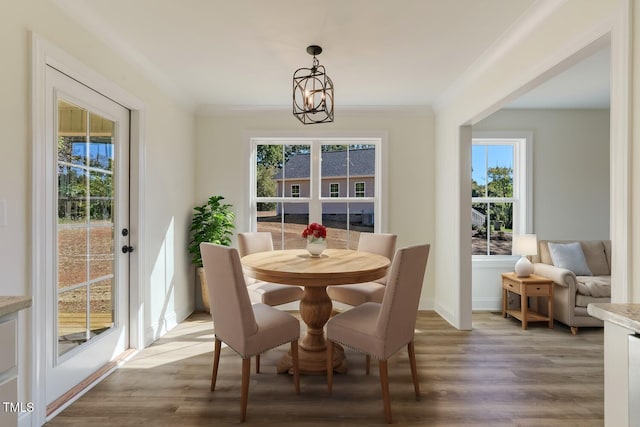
{"x":492,"y":192}
{"x":298,"y":181}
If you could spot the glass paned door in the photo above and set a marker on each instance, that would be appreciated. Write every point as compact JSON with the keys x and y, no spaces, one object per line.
{"x":86,"y":227}
{"x":87,"y":292}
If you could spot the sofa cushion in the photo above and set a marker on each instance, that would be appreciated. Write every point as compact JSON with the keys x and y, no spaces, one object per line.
{"x":594,"y":253}
{"x":594,"y":286}
{"x":569,"y":256}
{"x":544,"y":254}
{"x":584,"y":300}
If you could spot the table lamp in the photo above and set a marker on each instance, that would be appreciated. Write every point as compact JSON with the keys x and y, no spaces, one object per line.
{"x":524,"y":244}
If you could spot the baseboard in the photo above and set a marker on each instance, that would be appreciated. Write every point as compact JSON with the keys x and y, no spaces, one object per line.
{"x":486,"y":304}
{"x":164,"y":325}
{"x":445,"y":314}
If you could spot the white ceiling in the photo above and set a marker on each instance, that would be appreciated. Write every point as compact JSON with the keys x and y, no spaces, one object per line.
{"x":237,"y":54}
{"x":585,"y":85}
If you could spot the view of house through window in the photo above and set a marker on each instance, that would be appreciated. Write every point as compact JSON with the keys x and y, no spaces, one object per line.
{"x":315,"y":181}
{"x":496,"y":194}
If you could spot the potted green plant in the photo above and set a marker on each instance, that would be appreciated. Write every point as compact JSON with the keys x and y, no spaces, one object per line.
{"x":211,"y":222}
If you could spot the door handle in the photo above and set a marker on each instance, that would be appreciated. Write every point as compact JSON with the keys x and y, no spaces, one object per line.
{"x":127,"y":249}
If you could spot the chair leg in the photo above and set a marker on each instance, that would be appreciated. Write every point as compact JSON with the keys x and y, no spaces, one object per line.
{"x":414,"y":369}
{"x":367,"y":366}
{"x":257,"y":363}
{"x":246,"y":371}
{"x":296,"y":365}
{"x":330,"y":366}
{"x":384,"y":384}
{"x":216,"y":361}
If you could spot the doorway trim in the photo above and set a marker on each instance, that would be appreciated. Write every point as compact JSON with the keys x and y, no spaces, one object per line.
{"x":614,"y":30}
{"x":43,"y":54}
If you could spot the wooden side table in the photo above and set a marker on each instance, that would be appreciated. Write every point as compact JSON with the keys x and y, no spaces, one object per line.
{"x":532,"y":286}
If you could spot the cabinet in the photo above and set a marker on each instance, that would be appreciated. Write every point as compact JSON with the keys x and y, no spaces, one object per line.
{"x":8,"y":370}
{"x":10,"y":407}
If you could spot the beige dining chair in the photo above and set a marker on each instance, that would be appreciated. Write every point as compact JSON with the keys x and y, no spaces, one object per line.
{"x":265,"y":292}
{"x":249,"y":329}
{"x":358,"y":293}
{"x":381,"y":330}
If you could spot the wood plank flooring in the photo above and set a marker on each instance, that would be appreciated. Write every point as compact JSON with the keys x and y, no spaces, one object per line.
{"x":495,"y":375}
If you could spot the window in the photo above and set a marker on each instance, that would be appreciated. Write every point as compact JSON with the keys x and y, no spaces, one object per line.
{"x":499,"y":193}
{"x":314,"y":170}
{"x":334,"y":190}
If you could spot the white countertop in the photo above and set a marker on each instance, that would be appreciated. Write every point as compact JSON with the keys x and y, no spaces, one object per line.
{"x":625,"y":315}
{"x":9,"y":305}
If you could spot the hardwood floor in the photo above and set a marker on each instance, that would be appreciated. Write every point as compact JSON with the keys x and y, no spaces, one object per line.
{"x":497,"y":375}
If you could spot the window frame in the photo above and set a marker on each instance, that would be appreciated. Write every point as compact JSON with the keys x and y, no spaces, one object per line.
{"x":356,"y":192}
{"x":295,"y":194}
{"x":331,"y":192}
{"x":522,"y":199}
{"x":315,"y":199}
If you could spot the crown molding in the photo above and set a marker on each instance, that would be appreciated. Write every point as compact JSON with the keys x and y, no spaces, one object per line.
{"x":354,"y":110}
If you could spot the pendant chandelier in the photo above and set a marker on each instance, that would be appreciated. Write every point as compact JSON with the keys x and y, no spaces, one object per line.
{"x":313,"y":92}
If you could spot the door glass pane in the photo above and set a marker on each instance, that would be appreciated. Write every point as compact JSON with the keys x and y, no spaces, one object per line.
{"x":72,"y":319}
{"x":72,"y":192}
{"x":86,"y":237}
{"x":101,"y":305}
{"x":101,"y":252}
{"x":72,"y":256}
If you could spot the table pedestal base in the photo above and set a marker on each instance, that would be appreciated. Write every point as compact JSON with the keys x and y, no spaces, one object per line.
{"x":314,"y":362}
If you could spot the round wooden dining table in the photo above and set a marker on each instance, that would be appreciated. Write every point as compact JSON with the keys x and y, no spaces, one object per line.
{"x":298,"y":268}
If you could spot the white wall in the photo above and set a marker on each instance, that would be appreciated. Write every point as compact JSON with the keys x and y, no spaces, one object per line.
{"x":222,"y":165}
{"x":169,"y":144}
{"x":556,"y":31}
{"x":635,"y":160}
{"x":570,"y":182}
{"x":570,"y":169}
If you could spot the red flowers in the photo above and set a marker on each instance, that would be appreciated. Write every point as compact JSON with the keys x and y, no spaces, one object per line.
{"x":315,"y":231}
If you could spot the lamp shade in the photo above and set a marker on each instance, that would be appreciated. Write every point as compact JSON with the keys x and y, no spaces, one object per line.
{"x":524,"y":244}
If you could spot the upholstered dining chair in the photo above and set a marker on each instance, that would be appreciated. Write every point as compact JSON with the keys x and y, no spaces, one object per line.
{"x":249,"y":329}
{"x":358,"y":293}
{"x":265,"y":292}
{"x":381,"y":330}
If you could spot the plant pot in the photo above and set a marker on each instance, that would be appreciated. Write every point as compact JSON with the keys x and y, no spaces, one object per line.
{"x":204,"y":290}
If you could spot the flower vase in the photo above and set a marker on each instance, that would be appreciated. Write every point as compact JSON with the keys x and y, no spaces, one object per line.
{"x":315,"y":246}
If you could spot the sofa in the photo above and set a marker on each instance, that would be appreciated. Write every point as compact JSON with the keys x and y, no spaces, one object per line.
{"x":576,"y":285}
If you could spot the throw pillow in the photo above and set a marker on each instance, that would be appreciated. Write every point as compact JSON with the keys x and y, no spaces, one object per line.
{"x":569,"y":256}
{"x":596,"y":257}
